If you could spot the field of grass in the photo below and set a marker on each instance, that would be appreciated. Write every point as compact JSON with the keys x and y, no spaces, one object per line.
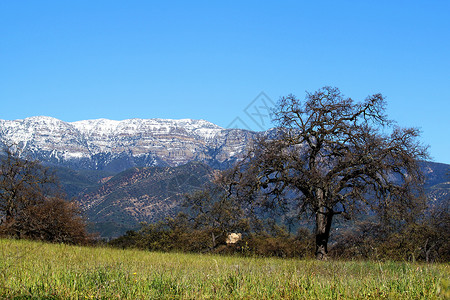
{"x":33,"y":270}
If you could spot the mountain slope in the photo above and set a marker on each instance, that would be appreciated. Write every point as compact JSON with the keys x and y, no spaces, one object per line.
{"x":146,"y":194}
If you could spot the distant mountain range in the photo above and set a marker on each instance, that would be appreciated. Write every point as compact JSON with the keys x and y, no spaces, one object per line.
{"x":131,"y":171}
{"x":118,"y":145}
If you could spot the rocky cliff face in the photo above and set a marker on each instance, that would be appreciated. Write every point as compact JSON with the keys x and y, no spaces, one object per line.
{"x":118,"y":145}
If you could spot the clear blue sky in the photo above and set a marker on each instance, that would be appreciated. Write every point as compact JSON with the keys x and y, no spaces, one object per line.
{"x":76,"y":60}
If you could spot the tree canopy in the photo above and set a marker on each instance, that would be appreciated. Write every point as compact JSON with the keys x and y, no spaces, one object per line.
{"x":334,"y":156}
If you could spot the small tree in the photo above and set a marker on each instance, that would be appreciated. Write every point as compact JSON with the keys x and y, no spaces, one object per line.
{"x":215,"y":211}
{"x":333,"y":156}
{"x":33,"y":206}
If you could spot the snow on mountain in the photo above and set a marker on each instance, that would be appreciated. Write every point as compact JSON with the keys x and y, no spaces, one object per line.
{"x":116,"y":145}
{"x":203,"y":129}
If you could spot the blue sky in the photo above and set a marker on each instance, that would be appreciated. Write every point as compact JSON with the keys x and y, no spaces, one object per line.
{"x":77,"y":60}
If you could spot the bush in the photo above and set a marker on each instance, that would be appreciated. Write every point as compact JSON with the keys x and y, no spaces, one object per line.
{"x":53,"y":220}
{"x":426,"y":241}
{"x":164,"y":236}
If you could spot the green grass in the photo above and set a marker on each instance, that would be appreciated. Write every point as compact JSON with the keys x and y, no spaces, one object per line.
{"x":33,"y":270}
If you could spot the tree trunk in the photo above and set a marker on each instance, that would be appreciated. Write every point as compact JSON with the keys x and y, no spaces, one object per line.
{"x":213,"y":236}
{"x":323,"y":226}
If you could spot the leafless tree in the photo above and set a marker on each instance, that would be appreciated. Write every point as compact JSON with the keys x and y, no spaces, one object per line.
{"x":334,"y":156}
{"x":23,"y":182}
{"x":211,"y":210}
{"x":33,"y":206}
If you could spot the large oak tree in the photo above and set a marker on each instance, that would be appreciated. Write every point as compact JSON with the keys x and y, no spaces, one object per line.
{"x":332,"y":155}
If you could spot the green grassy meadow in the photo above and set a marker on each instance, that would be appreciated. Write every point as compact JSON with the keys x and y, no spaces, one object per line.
{"x":34,"y":270}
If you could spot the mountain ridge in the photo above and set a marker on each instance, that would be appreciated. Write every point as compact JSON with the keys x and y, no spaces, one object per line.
{"x":103,"y":144}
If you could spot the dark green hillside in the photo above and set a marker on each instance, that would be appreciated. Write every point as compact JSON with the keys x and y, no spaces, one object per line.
{"x":76,"y":181}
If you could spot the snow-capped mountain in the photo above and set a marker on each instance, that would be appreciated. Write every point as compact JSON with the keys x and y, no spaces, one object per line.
{"x":117,"y":145}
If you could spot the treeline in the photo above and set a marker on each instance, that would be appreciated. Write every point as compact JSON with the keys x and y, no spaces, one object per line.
{"x":425,"y":241}
{"x":178,"y":234}
{"x":210,"y":217}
